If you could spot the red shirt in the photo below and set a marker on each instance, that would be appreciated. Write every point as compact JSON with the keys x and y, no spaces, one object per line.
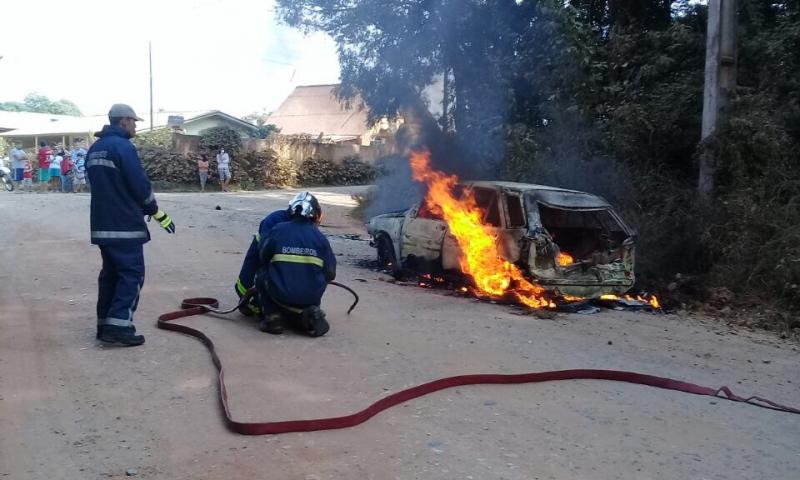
{"x":66,"y":164}
{"x":28,"y":171}
{"x":44,"y":157}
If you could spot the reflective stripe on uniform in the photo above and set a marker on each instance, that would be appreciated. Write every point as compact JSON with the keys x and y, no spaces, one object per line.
{"x":135,"y":301}
{"x":240,"y":287}
{"x":119,"y":234}
{"x":117,"y":322}
{"x":284,"y":257}
{"x":100,"y":162}
{"x":252,"y":304}
{"x":258,"y":237}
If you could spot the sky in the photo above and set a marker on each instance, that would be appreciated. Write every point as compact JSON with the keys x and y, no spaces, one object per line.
{"x":229,"y":55}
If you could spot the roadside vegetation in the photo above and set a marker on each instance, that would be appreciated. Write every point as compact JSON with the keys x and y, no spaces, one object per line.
{"x":266,"y":168}
{"x":606,"y":96}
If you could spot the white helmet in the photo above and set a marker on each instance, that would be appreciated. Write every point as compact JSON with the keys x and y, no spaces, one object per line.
{"x":305,"y":205}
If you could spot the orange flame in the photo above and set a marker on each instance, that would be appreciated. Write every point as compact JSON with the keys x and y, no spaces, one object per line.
{"x":564,"y":259}
{"x":653,"y":300}
{"x":480,"y":258}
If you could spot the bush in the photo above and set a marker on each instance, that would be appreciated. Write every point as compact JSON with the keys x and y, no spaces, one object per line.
{"x":316,"y":171}
{"x":280,"y":171}
{"x":161,"y":137}
{"x":321,"y":171}
{"x":164,"y":165}
{"x":265,"y":168}
{"x":212,"y":139}
{"x":353,"y":171}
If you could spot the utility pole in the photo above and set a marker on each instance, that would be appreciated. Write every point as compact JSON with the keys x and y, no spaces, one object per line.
{"x":150,"y":56}
{"x":446,"y":124}
{"x":720,"y":80}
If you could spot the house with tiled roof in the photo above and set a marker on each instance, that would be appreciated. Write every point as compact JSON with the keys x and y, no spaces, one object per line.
{"x":316,"y":111}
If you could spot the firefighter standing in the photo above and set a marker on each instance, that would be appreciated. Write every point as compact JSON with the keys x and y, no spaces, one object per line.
{"x":121,"y":197}
{"x":296,"y":264}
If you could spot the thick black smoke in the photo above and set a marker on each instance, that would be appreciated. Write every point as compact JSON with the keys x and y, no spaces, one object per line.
{"x":502,"y":81}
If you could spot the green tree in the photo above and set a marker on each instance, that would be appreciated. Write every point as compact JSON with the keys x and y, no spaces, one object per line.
{"x":390,"y":51}
{"x":618,"y":15}
{"x":605,"y":96}
{"x":215,"y":138}
{"x":161,"y":137}
{"x":38,"y":103}
{"x":260,"y":119}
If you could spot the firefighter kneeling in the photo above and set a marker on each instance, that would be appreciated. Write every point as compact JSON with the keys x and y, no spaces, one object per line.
{"x":296,"y":264}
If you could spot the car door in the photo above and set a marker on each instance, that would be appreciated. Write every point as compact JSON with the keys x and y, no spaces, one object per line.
{"x":423,"y":233}
{"x":516,"y":225}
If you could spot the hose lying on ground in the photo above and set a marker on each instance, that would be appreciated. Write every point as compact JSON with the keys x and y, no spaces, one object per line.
{"x":198,"y":306}
{"x":206,"y":302}
{"x":355,"y":295}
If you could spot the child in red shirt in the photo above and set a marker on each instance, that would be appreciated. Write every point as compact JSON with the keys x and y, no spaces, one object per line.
{"x":45,"y":154}
{"x":66,"y":173}
{"x":27,"y":176}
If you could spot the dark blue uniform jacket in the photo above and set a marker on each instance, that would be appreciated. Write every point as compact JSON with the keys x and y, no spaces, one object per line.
{"x":250,"y":265}
{"x":121,"y":192}
{"x":299,"y":262}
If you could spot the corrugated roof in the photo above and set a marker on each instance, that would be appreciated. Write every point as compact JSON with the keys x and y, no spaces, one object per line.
{"x":314,"y":109}
{"x":161,"y":118}
{"x":28,"y":123}
{"x":217,"y":113}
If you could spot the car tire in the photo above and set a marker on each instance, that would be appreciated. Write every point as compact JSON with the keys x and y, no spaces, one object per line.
{"x":387,"y":260}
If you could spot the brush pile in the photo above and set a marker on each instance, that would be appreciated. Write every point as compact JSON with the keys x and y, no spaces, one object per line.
{"x":162,"y":164}
{"x":321,"y":171}
{"x":251,"y":170}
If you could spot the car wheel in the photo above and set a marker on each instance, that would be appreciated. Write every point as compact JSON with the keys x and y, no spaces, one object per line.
{"x":387,"y":260}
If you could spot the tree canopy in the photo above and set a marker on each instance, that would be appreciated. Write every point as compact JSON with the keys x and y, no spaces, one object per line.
{"x":604,"y":96}
{"x":260,"y":119}
{"x":37,"y":103}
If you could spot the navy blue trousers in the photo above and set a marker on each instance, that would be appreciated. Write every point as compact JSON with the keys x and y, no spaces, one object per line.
{"x":268,"y":303}
{"x":119,"y":283}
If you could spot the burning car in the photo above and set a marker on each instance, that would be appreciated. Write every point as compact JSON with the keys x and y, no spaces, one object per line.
{"x":547,"y":240}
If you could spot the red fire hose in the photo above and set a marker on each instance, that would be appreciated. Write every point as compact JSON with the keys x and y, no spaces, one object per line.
{"x":198,"y":306}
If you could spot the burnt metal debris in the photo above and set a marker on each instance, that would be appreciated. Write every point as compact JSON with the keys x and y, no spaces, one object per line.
{"x":459,"y":285}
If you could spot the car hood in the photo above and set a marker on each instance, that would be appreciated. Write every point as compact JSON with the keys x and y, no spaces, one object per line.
{"x":395,"y":214}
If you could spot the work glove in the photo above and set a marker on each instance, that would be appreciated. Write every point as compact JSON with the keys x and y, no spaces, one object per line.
{"x":164,"y":220}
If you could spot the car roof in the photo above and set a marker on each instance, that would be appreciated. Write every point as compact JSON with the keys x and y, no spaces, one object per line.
{"x":554,"y":196}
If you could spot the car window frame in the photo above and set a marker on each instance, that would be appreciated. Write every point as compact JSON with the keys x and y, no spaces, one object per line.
{"x":422,"y":206}
{"x":519,"y":197}
{"x":500,"y":213}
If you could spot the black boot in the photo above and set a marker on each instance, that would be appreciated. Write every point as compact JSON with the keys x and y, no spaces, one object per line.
{"x":122,"y":335}
{"x":313,"y":321}
{"x":273,"y":324}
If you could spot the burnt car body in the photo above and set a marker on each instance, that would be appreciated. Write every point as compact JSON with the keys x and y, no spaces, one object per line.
{"x":532,"y":224}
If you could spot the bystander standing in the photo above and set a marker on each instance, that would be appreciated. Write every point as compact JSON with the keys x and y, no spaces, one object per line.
{"x":55,"y":171}
{"x":27,"y":176}
{"x":224,"y":168}
{"x":44,"y":156}
{"x":18,"y":157}
{"x":66,"y":173}
{"x":202,"y":170}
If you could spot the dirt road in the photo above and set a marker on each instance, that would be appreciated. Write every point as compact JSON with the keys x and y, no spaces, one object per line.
{"x":73,"y":409}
